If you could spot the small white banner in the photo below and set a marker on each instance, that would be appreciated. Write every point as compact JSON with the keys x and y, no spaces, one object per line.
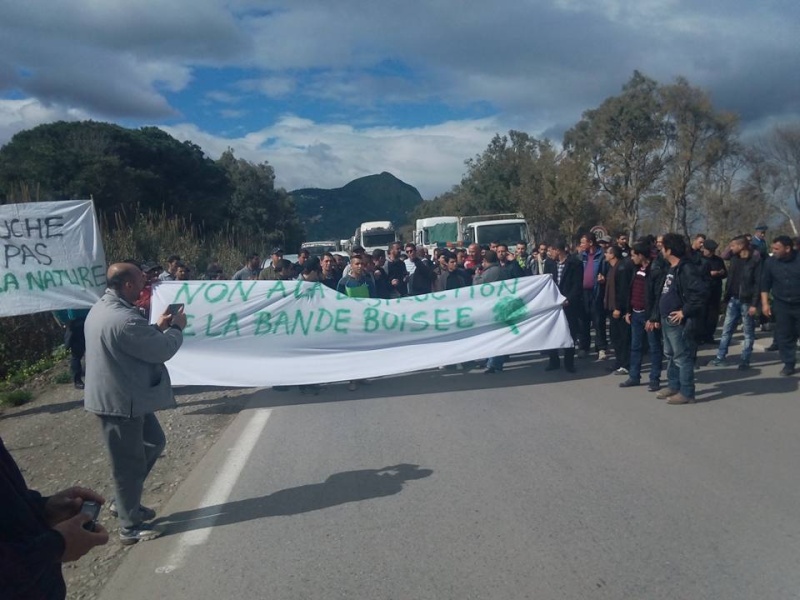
{"x":265,"y":333}
{"x":52,"y":257}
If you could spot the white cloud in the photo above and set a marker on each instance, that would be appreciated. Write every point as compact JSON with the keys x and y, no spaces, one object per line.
{"x":17,"y":115}
{"x":328,"y":155}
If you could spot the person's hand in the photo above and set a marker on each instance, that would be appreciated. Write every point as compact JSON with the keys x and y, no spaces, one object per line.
{"x":395,"y":282}
{"x":165,"y":320}
{"x":565,"y":303}
{"x":766,"y":310}
{"x":676,"y":317}
{"x":628,"y":319}
{"x":752,"y":311}
{"x":600,"y":278}
{"x":77,"y":540}
{"x":649,"y":326}
{"x":616,"y":314}
{"x":66,"y":504}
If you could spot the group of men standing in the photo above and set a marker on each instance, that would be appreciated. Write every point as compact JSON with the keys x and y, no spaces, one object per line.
{"x":664,"y":295}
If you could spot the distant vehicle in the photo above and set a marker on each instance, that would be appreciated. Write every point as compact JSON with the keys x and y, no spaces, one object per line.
{"x":292,"y":258}
{"x":436,"y":232}
{"x":320,"y":248}
{"x":507,"y":228}
{"x":372,"y":235}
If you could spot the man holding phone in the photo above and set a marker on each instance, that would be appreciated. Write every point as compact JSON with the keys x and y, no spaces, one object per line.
{"x":38,"y":533}
{"x":126,"y":382}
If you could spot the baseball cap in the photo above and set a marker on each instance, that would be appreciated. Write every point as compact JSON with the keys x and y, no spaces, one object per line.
{"x":606,"y":239}
{"x":761,"y":227}
{"x":277,"y":250}
{"x":710,"y":245}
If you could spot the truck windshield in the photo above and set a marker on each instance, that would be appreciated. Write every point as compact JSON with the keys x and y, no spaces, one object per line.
{"x":319,"y":249}
{"x":503,"y":233}
{"x":377,"y":240}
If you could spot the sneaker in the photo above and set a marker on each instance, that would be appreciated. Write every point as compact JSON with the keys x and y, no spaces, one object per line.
{"x":621,"y":371}
{"x":788,"y":370}
{"x":629,"y":383}
{"x":680,"y":399}
{"x":148,"y":514}
{"x":666,"y":393}
{"x":79,"y":385}
{"x":653,"y":386}
{"x":743,"y":366}
{"x":716,"y":362}
{"x":602,"y":355}
{"x":140,"y":533}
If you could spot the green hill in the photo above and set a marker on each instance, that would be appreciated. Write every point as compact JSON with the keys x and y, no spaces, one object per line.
{"x":335,"y":214}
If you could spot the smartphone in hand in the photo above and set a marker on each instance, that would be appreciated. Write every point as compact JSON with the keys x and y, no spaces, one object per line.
{"x":91,"y":508}
{"x":174,"y":309}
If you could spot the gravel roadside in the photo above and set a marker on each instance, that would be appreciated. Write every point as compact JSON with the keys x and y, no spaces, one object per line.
{"x":57,"y":445}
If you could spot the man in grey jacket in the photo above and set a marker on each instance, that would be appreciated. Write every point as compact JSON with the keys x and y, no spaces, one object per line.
{"x":490,"y":273}
{"x":126,"y":382}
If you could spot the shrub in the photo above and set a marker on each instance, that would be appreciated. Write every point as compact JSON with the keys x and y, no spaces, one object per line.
{"x":62,"y":377}
{"x":15,"y":397}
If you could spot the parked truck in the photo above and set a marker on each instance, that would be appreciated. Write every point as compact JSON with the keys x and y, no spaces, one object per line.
{"x":504,"y":228}
{"x":436,"y":232}
{"x":372,"y":235}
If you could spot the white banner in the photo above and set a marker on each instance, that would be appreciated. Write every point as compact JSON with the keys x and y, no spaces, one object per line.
{"x":265,"y":333}
{"x":52,"y":257}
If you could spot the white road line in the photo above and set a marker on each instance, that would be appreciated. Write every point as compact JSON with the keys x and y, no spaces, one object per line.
{"x":220,"y":490}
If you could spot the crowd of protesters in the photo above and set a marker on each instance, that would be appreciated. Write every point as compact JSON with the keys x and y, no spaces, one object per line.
{"x":658,"y":299}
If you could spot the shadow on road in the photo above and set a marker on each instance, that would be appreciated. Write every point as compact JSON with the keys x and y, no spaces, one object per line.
{"x":339,"y":488}
{"x":52,"y":409}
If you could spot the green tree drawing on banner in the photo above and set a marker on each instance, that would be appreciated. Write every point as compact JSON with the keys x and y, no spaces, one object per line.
{"x":510,"y":311}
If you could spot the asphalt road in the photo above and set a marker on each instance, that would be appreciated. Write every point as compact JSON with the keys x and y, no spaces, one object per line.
{"x":525,"y":484}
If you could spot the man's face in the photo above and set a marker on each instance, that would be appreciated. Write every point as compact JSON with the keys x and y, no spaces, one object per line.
{"x":522,"y":250}
{"x":781,"y":251}
{"x":472,"y":251}
{"x":736,"y":247}
{"x":452,"y":264}
{"x":502,"y":253}
{"x":707,"y":253}
{"x":460,"y":256}
{"x":442,"y":260}
{"x":379,"y":262}
{"x":394,"y":251}
{"x":356,"y":267}
{"x":544,"y":250}
{"x":697,"y":244}
{"x":325,"y":263}
{"x":134,"y":286}
{"x":585,"y":244}
{"x":255,"y":262}
{"x":637,"y":259}
{"x":761,"y":234}
{"x":492,"y":246}
{"x":152,"y":275}
{"x":276,"y":258}
{"x":182,"y":274}
{"x":301,"y":259}
{"x":552,"y":253}
{"x":660,"y":242}
{"x":622,"y":240}
{"x":610,"y":258}
{"x":411,"y":252}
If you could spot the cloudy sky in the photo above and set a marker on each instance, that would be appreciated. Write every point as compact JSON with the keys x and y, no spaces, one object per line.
{"x":331,"y":90}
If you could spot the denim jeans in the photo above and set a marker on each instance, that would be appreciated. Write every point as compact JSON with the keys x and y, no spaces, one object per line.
{"x":737,"y":311}
{"x":679,"y":348}
{"x":638,"y":322}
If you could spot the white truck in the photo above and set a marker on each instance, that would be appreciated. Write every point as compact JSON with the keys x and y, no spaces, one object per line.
{"x":372,"y":235}
{"x":436,"y":232}
{"x":320,"y":248}
{"x":505,"y":228}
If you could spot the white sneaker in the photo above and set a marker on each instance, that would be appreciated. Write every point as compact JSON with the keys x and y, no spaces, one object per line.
{"x":601,"y":355}
{"x":621,"y":371}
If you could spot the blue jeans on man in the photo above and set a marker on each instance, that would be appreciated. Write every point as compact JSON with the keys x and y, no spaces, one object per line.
{"x":679,"y":348}
{"x":638,"y":333}
{"x":737,"y":311}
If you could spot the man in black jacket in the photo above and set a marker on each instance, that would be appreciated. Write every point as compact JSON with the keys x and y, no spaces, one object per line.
{"x":682,"y":309}
{"x":567,"y":272}
{"x":742,"y":296}
{"x":717,"y":273}
{"x":645,"y":287}
{"x":781,"y":276}
{"x":37,"y":534}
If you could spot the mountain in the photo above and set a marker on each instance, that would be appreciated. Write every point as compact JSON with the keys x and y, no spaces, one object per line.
{"x":335,"y":214}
